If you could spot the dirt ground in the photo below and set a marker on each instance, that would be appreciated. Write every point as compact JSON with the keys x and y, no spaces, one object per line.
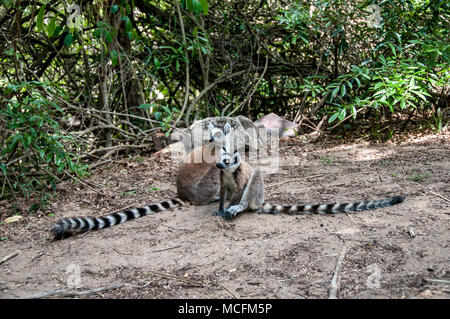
{"x":397,"y":252}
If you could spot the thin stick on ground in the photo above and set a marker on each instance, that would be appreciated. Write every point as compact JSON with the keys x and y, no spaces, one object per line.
{"x":227,"y":290}
{"x":334,"y":286}
{"x":160,"y":250}
{"x":441,"y":281}
{"x":65,"y":293}
{"x":88,"y":292}
{"x":85,"y":184}
{"x":446,"y":199}
{"x":45,"y":294}
{"x":8,"y":257}
{"x":186,"y":280}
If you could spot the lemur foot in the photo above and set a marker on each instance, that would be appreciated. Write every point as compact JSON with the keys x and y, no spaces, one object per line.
{"x":225,"y":214}
{"x":218,"y":213}
{"x":231,"y":212}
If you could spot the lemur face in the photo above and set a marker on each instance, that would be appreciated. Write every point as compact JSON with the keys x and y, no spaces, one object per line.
{"x":218,"y":135}
{"x":227,"y":162}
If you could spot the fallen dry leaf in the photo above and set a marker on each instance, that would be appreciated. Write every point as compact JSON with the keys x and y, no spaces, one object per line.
{"x":13,"y":219}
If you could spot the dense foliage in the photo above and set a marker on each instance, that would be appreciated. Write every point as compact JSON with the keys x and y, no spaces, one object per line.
{"x":85,"y":79}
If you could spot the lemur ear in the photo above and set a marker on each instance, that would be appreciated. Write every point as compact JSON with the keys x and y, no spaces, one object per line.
{"x":227,"y":128}
{"x":210,"y":126}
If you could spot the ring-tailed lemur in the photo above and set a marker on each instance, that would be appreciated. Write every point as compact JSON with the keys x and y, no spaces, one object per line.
{"x":197,"y":183}
{"x":244,"y":187}
{"x":198,"y":176}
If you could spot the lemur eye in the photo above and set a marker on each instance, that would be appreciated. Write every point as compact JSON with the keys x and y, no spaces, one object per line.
{"x":219,"y":134}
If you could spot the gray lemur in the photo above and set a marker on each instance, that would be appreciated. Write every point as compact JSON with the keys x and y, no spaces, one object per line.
{"x":243,"y":185}
{"x":197,"y":183}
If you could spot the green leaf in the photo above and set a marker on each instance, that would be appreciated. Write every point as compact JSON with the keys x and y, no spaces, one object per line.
{"x":403,"y":104}
{"x":108,"y":36}
{"x":114,"y":57}
{"x":342,"y":114}
{"x":57,"y":31}
{"x":333,"y":117}
{"x":419,"y":94}
{"x":40,"y":18}
{"x":3,"y":167}
{"x":343,"y":91}
{"x":205,"y":6}
{"x":304,"y":39}
{"x":197,"y":6}
{"x":190,"y":5}
{"x":51,"y":26}
{"x":97,"y":33}
{"x":68,"y":39}
{"x":128,"y":24}
{"x":166,"y":108}
{"x":335,"y":91}
{"x":392,"y":48}
{"x":14,"y":141}
{"x":146,"y":106}
{"x":114,"y":8}
{"x":156,"y":62}
{"x":9,"y":52}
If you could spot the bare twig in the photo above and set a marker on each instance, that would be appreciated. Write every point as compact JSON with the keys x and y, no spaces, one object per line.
{"x":88,"y":292}
{"x":183,"y":34}
{"x":46,"y":294}
{"x":334,"y":286}
{"x":8,"y":257}
{"x":255,"y":87}
{"x":346,"y":118}
{"x":114,"y":149}
{"x":37,"y":257}
{"x":183,"y":229}
{"x":441,"y":281}
{"x":160,"y":250}
{"x":163,"y":275}
{"x":85,"y":184}
{"x":65,"y":293}
{"x":122,"y":253}
{"x":206,"y":89}
{"x":227,"y":290}
{"x":444,"y":198}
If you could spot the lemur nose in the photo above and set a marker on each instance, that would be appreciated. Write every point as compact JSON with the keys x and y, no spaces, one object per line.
{"x":220,"y":165}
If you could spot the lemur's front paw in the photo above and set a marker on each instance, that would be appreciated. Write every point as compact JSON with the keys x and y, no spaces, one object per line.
{"x":230,"y":212}
{"x":218,"y":212}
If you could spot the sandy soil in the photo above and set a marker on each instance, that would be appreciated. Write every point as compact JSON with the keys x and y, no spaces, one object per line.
{"x":397,"y":252}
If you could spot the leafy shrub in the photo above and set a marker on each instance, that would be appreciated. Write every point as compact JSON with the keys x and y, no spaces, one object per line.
{"x":35,"y":151}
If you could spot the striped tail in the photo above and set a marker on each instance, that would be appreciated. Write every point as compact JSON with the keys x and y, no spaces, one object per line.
{"x":329,"y":208}
{"x":65,"y":227}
